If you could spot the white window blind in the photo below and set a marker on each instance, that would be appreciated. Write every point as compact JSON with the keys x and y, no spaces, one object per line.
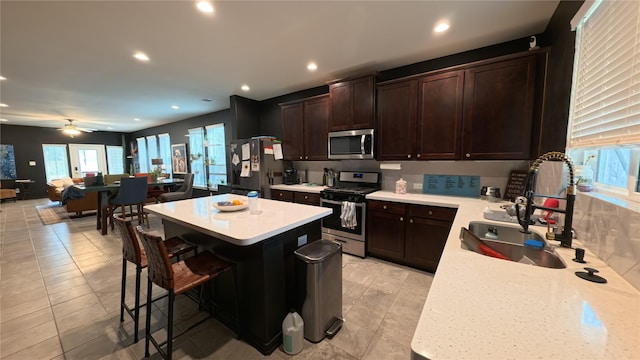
{"x":143,"y":160}
{"x":606,"y":90}
{"x":196,"y":155}
{"x":115,"y":159}
{"x":164,"y":144}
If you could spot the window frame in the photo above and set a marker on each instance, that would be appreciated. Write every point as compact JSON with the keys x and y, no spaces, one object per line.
{"x":599,"y":102}
{"x":66,"y":159}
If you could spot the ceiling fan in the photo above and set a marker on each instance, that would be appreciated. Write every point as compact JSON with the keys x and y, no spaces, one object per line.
{"x":72,"y":130}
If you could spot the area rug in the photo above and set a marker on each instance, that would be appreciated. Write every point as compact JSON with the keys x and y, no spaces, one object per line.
{"x":56,"y":213}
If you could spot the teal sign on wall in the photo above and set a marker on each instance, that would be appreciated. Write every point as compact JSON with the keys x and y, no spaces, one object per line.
{"x":456,"y":185}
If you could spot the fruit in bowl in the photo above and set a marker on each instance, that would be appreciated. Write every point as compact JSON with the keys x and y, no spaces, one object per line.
{"x":235,"y":202}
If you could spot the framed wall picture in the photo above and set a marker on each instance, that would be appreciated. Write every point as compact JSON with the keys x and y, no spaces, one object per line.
{"x":7,"y":163}
{"x":179,"y":158}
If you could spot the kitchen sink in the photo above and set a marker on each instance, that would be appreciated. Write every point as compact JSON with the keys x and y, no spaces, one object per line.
{"x":509,"y":241}
{"x":507,"y":234}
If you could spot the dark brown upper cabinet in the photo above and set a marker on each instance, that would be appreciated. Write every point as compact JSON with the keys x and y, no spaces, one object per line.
{"x":489,"y":110}
{"x":397,"y":120}
{"x":421,"y":118}
{"x":304,"y":128}
{"x":352,"y":104}
{"x":499,"y":100}
{"x":439,"y":125}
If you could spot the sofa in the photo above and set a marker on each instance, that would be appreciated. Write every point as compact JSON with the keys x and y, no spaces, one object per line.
{"x":87,"y":203}
{"x":7,"y":194}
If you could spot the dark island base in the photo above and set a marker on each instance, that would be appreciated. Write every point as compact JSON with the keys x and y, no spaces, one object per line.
{"x":267,"y":281}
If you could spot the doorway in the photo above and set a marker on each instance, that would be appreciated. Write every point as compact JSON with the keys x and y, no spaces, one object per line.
{"x":87,"y":159}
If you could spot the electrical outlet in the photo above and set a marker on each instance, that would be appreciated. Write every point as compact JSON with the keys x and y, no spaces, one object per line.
{"x":417,"y":186}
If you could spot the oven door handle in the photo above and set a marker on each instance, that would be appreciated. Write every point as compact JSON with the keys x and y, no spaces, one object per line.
{"x":339,"y":202}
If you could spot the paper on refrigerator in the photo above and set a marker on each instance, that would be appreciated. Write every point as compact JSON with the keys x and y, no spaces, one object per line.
{"x":277,"y":151}
{"x":245,"y":172}
{"x":246,"y":152}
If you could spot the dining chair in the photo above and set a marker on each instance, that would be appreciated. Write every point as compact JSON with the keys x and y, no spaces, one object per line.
{"x":133,"y":252}
{"x":153,"y":192}
{"x":185,"y":191}
{"x":132,"y":191}
{"x":177,"y":278}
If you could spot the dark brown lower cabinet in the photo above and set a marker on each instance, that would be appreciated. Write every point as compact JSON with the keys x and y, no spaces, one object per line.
{"x":386,"y":234}
{"x":424,"y":241}
{"x":408,"y":234}
{"x":296,"y":197}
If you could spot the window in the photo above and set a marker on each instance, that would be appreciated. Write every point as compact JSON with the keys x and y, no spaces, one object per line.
{"x":604,"y":123}
{"x":56,"y":163}
{"x":115,"y":159}
{"x":143,"y":159}
{"x":196,"y":156}
{"x":164,"y":143}
{"x":152,"y":150}
{"x":216,"y":156}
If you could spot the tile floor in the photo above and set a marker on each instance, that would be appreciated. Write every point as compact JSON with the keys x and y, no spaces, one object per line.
{"x":60,"y":291}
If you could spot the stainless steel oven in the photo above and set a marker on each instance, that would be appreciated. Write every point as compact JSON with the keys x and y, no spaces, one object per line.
{"x":349,"y":196}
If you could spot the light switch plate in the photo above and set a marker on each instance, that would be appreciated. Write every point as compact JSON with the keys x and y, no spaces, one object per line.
{"x":417,"y":186}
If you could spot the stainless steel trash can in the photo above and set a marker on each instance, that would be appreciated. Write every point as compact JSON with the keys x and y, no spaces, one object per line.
{"x":320,"y":281}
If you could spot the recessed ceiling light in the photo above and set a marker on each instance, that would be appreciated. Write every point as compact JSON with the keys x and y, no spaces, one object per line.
{"x":245,"y":88}
{"x":204,"y":6}
{"x":175,"y":107}
{"x":312,"y":66}
{"x":4,"y":120}
{"x":141,"y":56}
{"x":109,"y":128}
{"x":441,"y":27}
{"x":2,"y":77}
{"x":4,"y":105}
{"x":136,"y":119}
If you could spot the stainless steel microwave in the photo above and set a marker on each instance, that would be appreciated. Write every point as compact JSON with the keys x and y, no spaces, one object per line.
{"x":351,"y":144}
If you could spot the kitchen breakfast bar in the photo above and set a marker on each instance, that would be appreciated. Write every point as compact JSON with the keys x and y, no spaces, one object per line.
{"x":262,"y":245}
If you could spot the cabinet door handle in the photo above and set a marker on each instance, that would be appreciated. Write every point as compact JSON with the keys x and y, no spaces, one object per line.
{"x":306,"y":157}
{"x":306,"y":197}
{"x":384,"y":207}
{"x":430,"y":212}
{"x":467,"y":155}
{"x":401,"y":219}
{"x":409,"y":156}
{"x":411,"y":221}
{"x":418,"y":155}
{"x":281,"y":194}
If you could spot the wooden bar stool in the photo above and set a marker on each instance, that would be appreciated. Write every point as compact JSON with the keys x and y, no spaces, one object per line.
{"x":132,"y":252}
{"x":177,"y":278}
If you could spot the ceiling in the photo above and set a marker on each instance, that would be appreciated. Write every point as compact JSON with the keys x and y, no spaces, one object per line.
{"x":73,"y":59}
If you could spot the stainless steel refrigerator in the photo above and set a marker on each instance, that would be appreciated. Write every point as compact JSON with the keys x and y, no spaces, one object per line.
{"x":253,"y":166}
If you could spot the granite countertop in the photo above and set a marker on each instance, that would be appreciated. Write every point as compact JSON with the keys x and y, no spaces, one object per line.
{"x":310,"y":188}
{"x":238,"y":227}
{"x":481,"y":307}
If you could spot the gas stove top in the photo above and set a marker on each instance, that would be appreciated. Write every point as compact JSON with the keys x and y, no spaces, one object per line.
{"x":353,"y":186}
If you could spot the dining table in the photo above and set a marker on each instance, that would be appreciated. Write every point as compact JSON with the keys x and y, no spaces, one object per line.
{"x":106,"y":189}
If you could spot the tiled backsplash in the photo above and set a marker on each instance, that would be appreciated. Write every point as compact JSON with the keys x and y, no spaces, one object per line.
{"x":610,"y":229}
{"x":492,"y":173}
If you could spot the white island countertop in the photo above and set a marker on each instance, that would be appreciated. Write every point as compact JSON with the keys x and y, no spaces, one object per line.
{"x":484,"y":308}
{"x":238,"y":227}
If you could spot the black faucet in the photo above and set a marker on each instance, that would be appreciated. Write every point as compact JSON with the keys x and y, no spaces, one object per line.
{"x":566,"y":235}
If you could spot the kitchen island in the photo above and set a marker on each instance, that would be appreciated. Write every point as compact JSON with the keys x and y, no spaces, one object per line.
{"x":480,"y":307}
{"x":261,"y":245}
